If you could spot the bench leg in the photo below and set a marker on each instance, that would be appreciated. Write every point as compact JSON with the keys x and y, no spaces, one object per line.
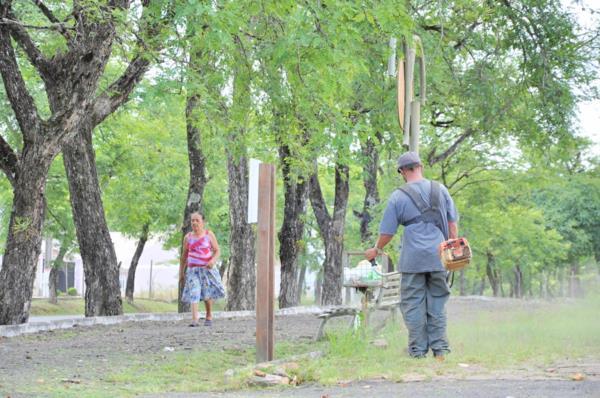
{"x":319,"y":335}
{"x":354,"y":322}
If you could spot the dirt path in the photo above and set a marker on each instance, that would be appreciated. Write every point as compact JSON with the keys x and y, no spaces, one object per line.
{"x":437,"y":389}
{"x":88,"y":353}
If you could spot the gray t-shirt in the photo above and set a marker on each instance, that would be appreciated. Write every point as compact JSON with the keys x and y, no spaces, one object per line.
{"x":419,"y":247}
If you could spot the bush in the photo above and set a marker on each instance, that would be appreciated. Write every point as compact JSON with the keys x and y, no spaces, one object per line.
{"x":72,"y":291}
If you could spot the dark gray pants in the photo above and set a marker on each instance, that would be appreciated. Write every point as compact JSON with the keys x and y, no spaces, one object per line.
{"x":423,"y":301}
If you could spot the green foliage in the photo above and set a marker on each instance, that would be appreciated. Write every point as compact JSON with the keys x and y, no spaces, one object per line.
{"x":143,"y":169}
{"x":72,"y":291}
{"x":501,"y":100}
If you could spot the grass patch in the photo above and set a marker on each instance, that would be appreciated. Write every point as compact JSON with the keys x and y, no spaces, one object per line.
{"x":539,"y":335}
{"x":76,"y":306}
{"x":492,"y":341}
{"x":188,"y":371}
{"x":501,"y":340}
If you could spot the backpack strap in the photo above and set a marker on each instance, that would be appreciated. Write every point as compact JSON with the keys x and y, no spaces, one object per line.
{"x":415,"y":197}
{"x":435,"y":196}
{"x":429,"y":213}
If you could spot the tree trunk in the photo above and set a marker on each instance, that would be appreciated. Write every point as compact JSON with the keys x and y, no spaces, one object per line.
{"x":103,"y":291}
{"x":544,"y":284}
{"x":53,"y":277}
{"x":518,"y":284}
{"x":492,"y":273}
{"x":319,"y":288}
{"x":500,"y":285}
{"x":241,"y":284}
{"x":292,"y":231}
{"x":575,"y":288}
{"x":134,"y":263}
{"x":481,"y":286}
{"x":301,"y":281}
{"x":70,"y":77}
{"x":371,"y":158}
{"x":24,"y":240}
{"x":224,"y":268}
{"x":332,"y":232}
{"x":198,"y":179}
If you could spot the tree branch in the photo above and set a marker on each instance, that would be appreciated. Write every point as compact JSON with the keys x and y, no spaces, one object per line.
{"x":486,"y":180}
{"x":59,"y":25}
{"x":35,"y":56}
{"x":118,"y":92}
{"x":341,"y":192}
{"x":318,"y":204}
{"x":459,"y":44}
{"x":432,"y":159}
{"x":21,"y":102}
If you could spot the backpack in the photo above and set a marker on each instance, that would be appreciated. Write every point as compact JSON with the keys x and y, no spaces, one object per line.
{"x":430,"y":213}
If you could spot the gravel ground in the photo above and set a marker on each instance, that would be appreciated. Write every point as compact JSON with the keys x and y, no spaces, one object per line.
{"x":89,"y":353}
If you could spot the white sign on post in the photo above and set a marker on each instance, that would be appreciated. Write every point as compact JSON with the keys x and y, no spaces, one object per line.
{"x":253,"y":191}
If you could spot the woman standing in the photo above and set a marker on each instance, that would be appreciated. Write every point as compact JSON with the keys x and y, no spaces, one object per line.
{"x":202,"y":280}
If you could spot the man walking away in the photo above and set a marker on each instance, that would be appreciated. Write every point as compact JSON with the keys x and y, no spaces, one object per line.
{"x":427,"y":212}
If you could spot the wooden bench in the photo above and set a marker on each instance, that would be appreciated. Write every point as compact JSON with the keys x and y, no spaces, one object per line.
{"x":387,"y":299}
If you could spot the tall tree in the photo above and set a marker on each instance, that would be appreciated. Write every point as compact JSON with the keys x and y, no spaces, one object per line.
{"x":331,"y":228}
{"x":71,"y":73}
{"x":197,"y":161}
{"x":241,"y":282}
{"x":103,"y":293}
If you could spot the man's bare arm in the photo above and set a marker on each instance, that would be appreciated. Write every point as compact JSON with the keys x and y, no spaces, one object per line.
{"x":452,"y":229}
{"x":383,"y":240}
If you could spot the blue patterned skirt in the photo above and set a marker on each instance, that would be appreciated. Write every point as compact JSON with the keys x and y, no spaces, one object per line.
{"x":202,"y":284}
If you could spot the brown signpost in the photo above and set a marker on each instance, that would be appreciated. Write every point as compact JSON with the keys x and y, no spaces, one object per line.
{"x":265,"y":294}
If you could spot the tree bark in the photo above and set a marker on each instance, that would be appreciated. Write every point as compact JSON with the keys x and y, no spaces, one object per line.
{"x":319,"y":288}
{"x":332,"y":232}
{"x":70,"y":79}
{"x":23,"y":243}
{"x":518,"y":284}
{"x":198,"y":178}
{"x":301,"y":281}
{"x":53,"y":276}
{"x":134,"y":262}
{"x":103,"y":291}
{"x":481,"y":286}
{"x":371,"y":158}
{"x":292,"y":231}
{"x":241,"y":284}
{"x":492,"y":273}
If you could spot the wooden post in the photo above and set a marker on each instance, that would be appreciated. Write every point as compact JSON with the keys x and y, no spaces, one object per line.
{"x":265,"y":295}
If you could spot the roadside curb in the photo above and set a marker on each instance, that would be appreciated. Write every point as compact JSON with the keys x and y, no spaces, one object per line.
{"x":35,"y":327}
